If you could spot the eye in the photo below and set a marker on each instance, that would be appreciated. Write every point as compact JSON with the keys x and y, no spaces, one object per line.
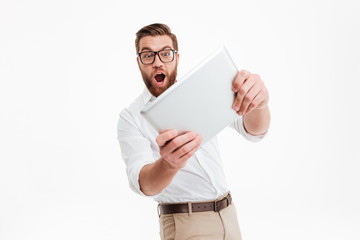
{"x":166,"y":53}
{"x":148,"y":55}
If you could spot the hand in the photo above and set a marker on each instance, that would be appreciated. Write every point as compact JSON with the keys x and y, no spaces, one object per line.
{"x":251,"y":92}
{"x":177,"y":149}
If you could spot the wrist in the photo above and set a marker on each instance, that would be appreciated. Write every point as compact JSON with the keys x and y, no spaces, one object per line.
{"x":169,"y":165}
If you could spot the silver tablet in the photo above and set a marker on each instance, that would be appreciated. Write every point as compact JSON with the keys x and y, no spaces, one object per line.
{"x":201,"y":101}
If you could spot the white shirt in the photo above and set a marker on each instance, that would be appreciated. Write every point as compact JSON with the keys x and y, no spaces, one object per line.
{"x":202,"y":178}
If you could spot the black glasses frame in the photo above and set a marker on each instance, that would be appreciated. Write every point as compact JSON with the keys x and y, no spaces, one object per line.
{"x":157,"y":53}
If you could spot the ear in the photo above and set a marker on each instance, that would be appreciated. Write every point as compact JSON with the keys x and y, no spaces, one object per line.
{"x":138,"y":62}
{"x":177,"y":59}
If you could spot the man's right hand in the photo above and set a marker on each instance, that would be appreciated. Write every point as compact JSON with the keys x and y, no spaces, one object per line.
{"x":177,"y":149}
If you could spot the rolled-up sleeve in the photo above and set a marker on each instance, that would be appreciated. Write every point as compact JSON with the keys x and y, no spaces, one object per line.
{"x":135,"y":149}
{"x":238,"y":125}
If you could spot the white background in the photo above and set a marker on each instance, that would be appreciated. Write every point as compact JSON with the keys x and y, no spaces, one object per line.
{"x":67,"y":68}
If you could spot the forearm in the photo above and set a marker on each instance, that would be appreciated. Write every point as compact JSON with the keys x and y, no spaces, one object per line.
{"x":257,"y":121}
{"x":156,"y":176}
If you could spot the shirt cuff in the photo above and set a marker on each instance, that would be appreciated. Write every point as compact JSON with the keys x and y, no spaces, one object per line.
{"x":134,"y":175}
{"x":248,"y":136}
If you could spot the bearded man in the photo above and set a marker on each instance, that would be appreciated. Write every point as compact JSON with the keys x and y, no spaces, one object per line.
{"x":185,"y":179}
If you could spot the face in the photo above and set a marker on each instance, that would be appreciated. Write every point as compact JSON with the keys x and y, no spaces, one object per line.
{"x":158,"y":76}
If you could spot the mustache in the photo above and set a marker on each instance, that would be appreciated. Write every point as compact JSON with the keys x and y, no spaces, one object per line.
{"x":159,"y":69}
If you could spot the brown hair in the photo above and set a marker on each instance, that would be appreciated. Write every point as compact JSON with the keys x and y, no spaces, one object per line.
{"x":156,"y":29}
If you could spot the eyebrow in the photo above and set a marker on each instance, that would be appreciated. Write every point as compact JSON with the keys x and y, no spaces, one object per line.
{"x":149,"y":49}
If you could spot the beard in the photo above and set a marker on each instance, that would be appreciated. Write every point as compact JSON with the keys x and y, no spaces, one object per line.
{"x":155,"y":90}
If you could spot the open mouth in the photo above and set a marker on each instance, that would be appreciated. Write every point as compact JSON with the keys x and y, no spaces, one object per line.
{"x":160,"y":79}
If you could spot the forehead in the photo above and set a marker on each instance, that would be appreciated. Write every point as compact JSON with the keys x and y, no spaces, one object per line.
{"x":155,"y":43}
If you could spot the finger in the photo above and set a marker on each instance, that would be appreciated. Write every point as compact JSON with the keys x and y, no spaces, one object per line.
{"x":248,"y":98}
{"x":167,"y":150}
{"x":165,"y":136}
{"x":242,"y":93}
{"x":259,"y":98}
{"x":181,"y":151}
{"x":183,"y":159}
{"x":239,"y":79}
{"x":181,"y":140}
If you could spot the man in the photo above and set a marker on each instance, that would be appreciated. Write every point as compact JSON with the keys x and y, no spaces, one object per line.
{"x":188,"y":182}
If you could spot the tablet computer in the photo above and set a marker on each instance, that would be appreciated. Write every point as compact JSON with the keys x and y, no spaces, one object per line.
{"x":201,"y":101}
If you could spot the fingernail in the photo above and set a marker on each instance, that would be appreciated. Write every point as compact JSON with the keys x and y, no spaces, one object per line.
{"x":236,"y":108}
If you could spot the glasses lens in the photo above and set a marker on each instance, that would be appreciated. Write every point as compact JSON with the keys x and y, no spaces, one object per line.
{"x":166,"y":55}
{"x":147,"y":57}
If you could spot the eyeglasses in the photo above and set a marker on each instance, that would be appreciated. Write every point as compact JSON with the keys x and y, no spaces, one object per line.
{"x":148,"y":57}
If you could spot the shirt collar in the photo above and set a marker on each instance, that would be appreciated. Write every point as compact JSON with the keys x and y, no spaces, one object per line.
{"x":147,"y":96}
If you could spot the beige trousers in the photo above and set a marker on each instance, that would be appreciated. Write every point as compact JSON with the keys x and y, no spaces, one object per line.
{"x":201,"y":225}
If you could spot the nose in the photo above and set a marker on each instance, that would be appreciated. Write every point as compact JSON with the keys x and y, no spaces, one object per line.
{"x":157,"y":62}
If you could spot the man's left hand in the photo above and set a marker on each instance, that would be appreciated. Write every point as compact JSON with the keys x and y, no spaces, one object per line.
{"x":251,"y":92}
